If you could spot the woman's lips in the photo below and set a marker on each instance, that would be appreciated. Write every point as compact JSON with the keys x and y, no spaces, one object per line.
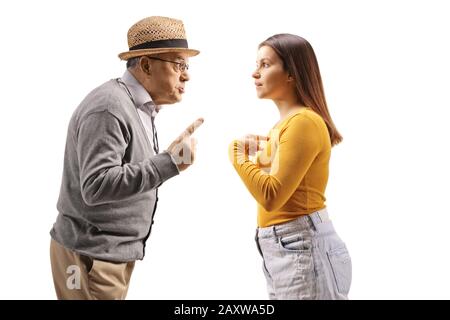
{"x":181,"y":90}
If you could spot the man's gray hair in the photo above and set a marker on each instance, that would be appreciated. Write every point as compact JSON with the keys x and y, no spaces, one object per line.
{"x":131,"y":63}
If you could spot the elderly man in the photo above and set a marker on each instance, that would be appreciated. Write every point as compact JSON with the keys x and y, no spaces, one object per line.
{"x":113,"y":167}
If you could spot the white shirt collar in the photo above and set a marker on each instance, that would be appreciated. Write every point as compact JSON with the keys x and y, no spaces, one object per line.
{"x":141,"y":97}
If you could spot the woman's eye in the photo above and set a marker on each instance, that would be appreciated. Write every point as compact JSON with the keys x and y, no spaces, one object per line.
{"x":265,"y":65}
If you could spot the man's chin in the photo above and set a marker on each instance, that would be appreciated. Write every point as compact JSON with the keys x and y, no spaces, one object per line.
{"x":177,"y":97}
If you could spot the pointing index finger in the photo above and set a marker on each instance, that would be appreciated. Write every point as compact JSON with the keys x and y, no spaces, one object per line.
{"x":190,"y":130}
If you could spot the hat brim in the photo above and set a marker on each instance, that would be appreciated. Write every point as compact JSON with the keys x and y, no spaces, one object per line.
{"x":143,"y":52}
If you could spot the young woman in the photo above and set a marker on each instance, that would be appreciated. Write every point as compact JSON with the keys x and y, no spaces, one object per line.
{"x":303,"y":257}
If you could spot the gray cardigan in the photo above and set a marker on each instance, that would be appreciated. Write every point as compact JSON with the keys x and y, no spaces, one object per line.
{"x":108,"y":192}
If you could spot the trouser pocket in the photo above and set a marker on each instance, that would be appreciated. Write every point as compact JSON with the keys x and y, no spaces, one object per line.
{"x":341,"y":267}
{"x":109,"y":280}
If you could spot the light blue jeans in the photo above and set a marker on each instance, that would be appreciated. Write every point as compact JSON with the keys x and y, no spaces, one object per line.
{"x":305,"y":259}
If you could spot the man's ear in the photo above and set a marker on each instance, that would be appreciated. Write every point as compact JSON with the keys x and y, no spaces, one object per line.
{"x":145,"y":65}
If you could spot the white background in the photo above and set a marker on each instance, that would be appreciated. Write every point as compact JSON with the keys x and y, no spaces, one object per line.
{"x":385,"y":67}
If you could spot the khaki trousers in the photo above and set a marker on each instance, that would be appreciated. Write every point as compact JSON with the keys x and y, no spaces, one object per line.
{"x":81,"y":277}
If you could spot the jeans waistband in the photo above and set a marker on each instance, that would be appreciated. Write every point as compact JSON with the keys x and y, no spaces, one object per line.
{"x":319,"y":221}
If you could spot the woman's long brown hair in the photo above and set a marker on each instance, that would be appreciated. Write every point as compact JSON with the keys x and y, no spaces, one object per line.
{"x":300,"y":61}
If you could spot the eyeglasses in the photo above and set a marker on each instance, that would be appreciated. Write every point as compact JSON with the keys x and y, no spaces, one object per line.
{"x":182,"y":66}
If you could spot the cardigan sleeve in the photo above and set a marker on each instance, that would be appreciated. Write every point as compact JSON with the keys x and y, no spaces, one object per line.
{"x":101,"y":145}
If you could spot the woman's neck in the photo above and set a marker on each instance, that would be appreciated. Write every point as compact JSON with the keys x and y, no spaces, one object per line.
{"x":286,"y":107}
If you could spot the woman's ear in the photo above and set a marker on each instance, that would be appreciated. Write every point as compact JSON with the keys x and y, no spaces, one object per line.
{"x":290,"y":78}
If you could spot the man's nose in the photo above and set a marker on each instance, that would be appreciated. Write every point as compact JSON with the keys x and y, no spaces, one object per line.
{"x":184,"y":76}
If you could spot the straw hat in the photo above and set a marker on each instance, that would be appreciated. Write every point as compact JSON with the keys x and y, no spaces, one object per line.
{"x":156,"y":35}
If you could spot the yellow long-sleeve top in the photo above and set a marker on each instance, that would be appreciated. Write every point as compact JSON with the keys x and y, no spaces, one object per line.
{"x":289,"y":176}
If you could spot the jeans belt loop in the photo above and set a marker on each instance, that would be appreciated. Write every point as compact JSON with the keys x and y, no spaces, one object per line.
{"x":275,"y":233}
